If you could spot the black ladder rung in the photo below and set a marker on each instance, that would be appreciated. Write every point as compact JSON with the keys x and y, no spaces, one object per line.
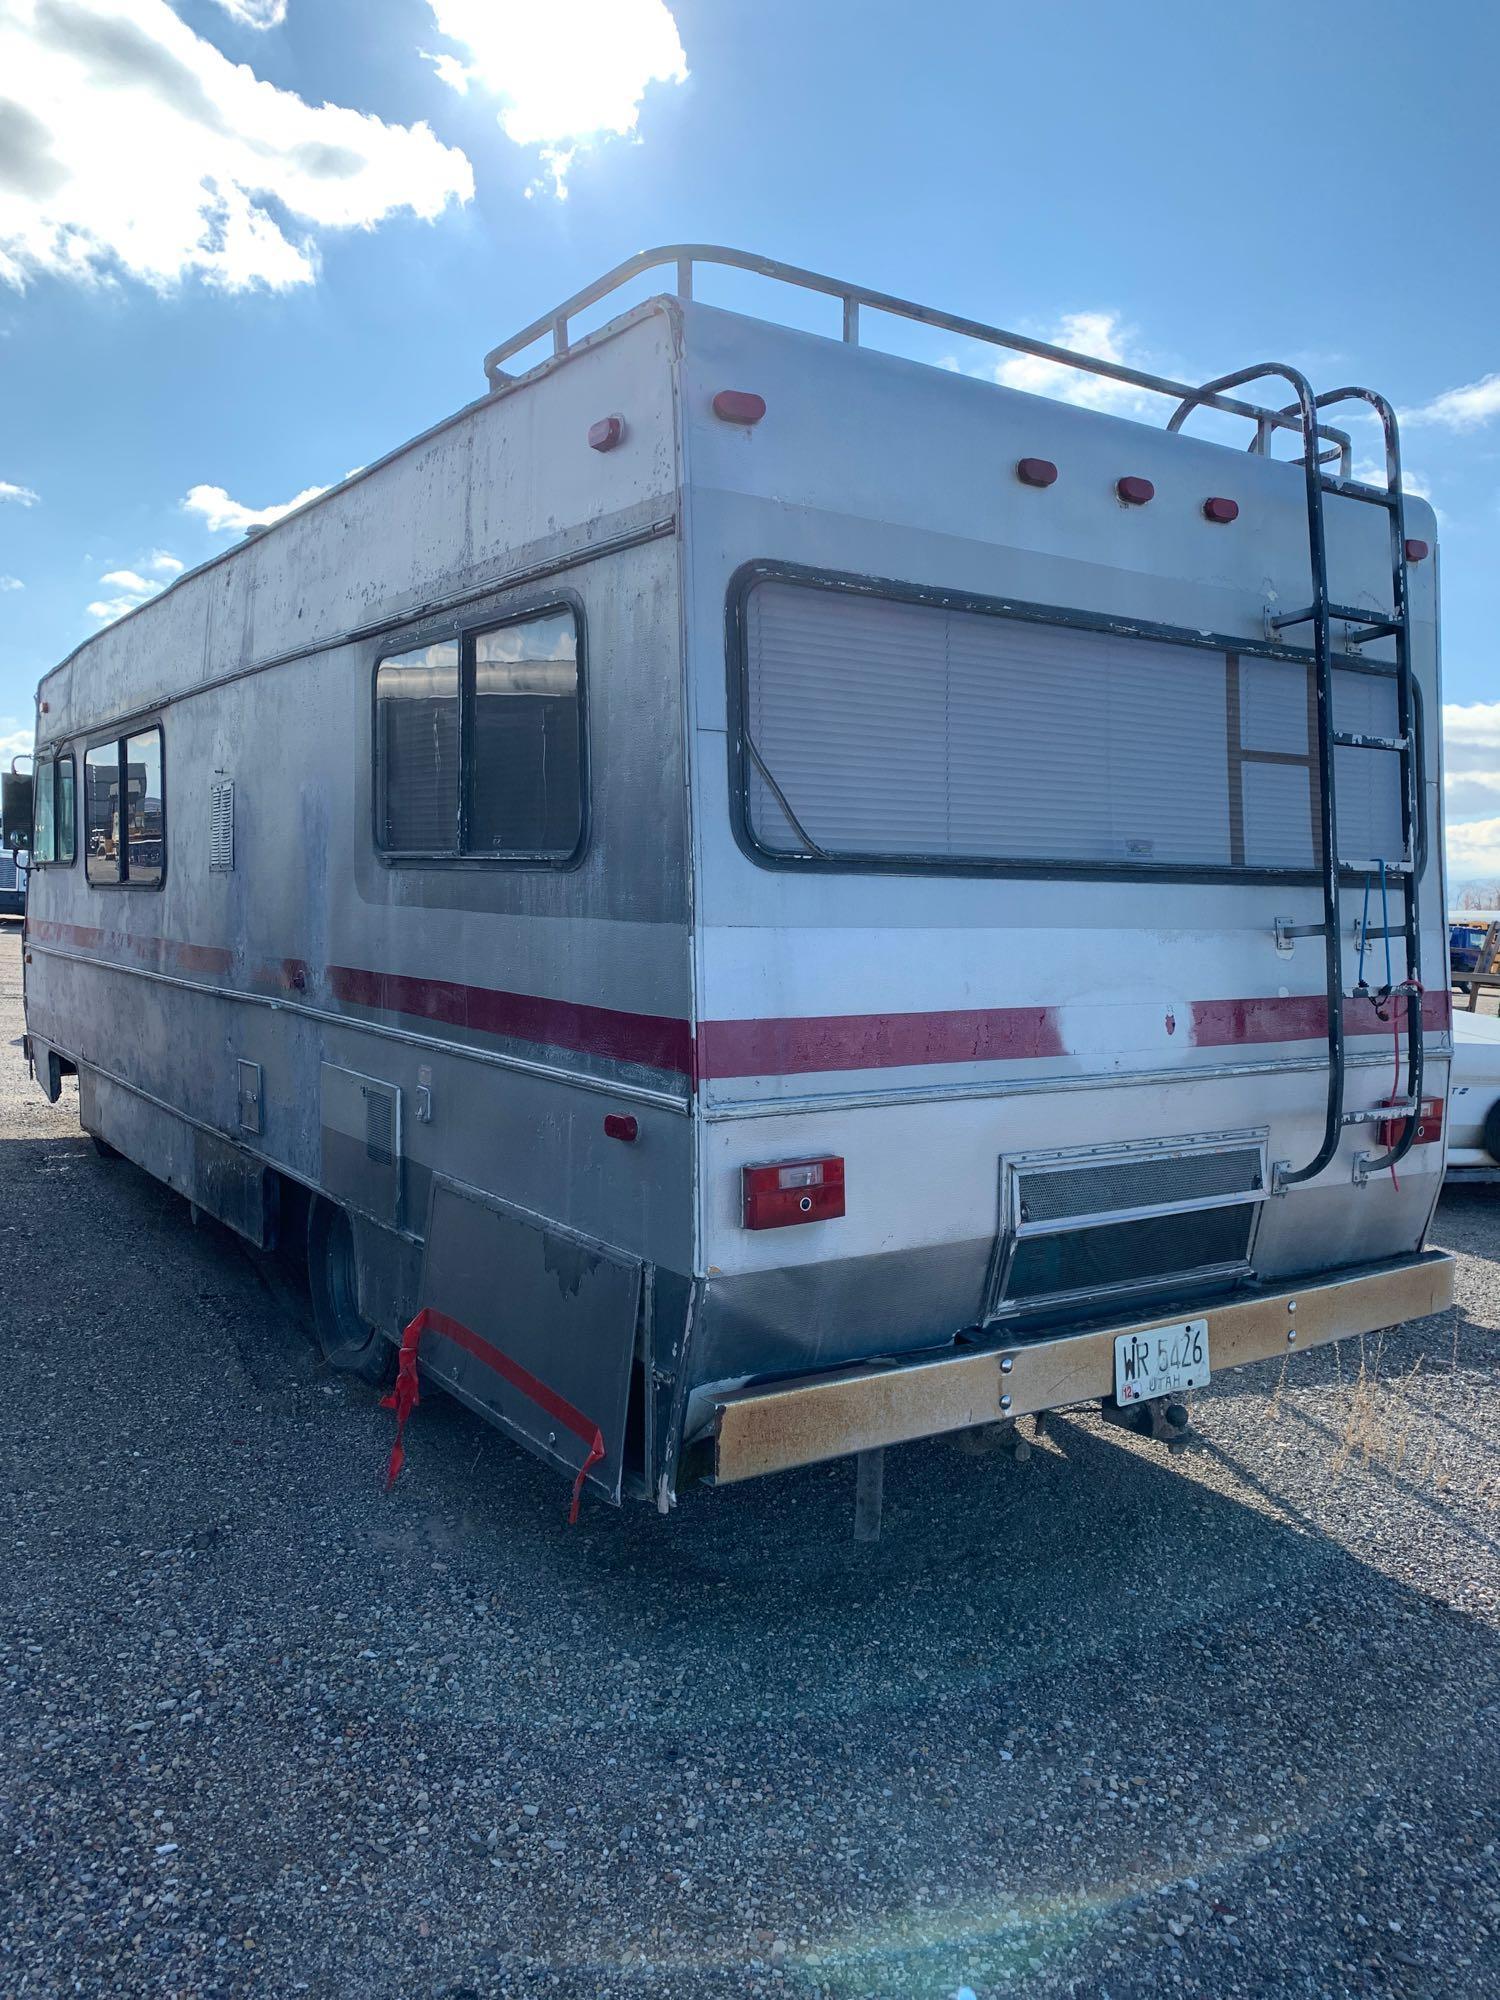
{"x":1351,"y":739}
{"x":1354,"y":614}
{"x":1374,"y":496}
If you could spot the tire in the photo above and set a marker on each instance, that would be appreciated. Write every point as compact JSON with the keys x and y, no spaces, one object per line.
{"x":1492,"y":1130}
{"x":349,"y":1343}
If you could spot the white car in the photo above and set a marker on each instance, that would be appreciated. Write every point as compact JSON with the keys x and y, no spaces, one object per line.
{"x":1474,"y":1099}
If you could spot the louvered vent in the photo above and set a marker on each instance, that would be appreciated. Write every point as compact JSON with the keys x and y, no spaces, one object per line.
{"x":221,"y":827}
{"x":1080,"y":1224}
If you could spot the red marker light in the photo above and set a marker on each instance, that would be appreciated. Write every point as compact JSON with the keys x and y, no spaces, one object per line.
{"x":620,"y":1125}
{"x":1429,"y":1123}
{"x":1416,"y":551}
{"x":1135,"y":492}
{"x":1035,"y":471}
{"x":606,"y":434}
{"x":739,"y":406}
{"x":1221,"y":510}
{"x":792,"y":1191}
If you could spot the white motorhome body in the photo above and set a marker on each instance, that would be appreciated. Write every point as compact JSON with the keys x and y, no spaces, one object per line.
{"x":782,"y":895}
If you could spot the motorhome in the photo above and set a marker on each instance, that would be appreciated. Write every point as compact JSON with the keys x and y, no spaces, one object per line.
{"x":753,"y":898}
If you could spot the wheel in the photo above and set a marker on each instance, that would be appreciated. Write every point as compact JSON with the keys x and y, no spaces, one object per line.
{"x":1492,"y":1130}
{"x":349,"y":1343}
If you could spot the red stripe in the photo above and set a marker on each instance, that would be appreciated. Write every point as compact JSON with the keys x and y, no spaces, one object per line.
{"x":876,"y":1041}
{"x":794,"y":1046}
{"x":657,"y":1040}
{"x":1299,"y":1017}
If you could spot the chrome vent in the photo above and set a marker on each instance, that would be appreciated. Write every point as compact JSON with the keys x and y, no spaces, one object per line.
{"x":1092,"y":1221}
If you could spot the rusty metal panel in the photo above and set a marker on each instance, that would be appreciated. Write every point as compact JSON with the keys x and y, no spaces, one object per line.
{"x":861,"y":1409}
{"x":558,"y":1306}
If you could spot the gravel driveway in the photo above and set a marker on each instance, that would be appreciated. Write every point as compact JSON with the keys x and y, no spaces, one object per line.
{"x":1102,"y":1724}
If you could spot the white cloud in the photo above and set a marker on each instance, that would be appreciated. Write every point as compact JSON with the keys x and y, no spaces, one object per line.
{"x":1474,"y":849}
{"x":569,"y":73}
{"x":129,"y":144}
{"x":1460,"y":409}
{"x":15,"y":739}
{"x":11,"y":583}
{"x":1471,"y":774}
{"x":255,"y":13}
{"x":164,"y":563}
{"x":219,"y":512}
{"x":131,"y":589}
{"x":1102,"y":336}
{"x":22,"y":495}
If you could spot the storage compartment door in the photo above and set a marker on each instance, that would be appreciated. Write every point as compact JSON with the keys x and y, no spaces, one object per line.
{"x":548,"y":1311}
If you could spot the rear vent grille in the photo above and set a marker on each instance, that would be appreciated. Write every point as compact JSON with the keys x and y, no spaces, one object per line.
{"x":1082,"y":1225}
{"x":1066,"y":1193}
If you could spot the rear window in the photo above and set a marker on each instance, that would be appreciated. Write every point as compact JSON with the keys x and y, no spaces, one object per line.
{"x":880,"y":728}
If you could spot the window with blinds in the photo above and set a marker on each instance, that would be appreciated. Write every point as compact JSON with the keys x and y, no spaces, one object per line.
{"x":884,"y":728}
{"x":479,"y":744}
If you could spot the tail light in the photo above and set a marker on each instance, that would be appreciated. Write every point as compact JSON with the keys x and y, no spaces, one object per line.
{"x":1429,"y":1124}
{"x":793,"y":1191}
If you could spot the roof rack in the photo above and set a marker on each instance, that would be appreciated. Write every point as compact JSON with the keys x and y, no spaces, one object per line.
{"x":684,"y":256}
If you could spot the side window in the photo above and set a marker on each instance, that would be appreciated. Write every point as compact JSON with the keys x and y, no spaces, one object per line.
{"x":66,"y":811}
{"x":125,"y":811}
{"x":524,"y":772}
{"x":145,"y":852}
{"x":479,"y":745}
{"x":416,"y":732}
{"x":101,"y":789}
{"x":43,"y":825}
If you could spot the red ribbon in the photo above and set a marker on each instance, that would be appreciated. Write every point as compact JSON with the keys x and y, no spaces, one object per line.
{"x":403,"y":1398}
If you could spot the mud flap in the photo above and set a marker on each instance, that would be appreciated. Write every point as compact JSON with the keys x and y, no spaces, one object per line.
{"x":558,"y":1306}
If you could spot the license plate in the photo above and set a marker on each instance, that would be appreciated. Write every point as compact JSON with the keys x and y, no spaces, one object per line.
{"x":1161,"y":1361}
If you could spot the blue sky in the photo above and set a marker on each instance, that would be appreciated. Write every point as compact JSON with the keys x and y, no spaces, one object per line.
{"x":247,"y":245}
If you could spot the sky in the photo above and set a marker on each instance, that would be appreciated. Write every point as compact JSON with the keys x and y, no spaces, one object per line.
{"x":248,"y":245}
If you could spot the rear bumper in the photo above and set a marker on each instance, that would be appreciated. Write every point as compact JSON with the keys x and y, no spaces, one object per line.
{"x":815,"y":1417}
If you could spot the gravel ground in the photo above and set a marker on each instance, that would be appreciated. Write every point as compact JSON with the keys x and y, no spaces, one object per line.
{"x":1106,"y":1724}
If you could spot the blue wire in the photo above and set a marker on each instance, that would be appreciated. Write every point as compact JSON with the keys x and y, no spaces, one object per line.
{"x":1385,"y":919}
{"x":1364,"y":931}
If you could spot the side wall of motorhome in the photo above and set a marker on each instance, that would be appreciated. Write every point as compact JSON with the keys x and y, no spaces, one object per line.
{"x":403,"y":830}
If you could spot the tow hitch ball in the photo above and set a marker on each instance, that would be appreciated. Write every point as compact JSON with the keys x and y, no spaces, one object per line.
{"x":1168,"y":1423}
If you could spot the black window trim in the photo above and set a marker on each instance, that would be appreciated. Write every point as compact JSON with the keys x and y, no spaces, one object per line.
{"x":744,"y":756}
{"x":464,"y":632}
{"x":120,"y":737}
{"x":51,"y":758}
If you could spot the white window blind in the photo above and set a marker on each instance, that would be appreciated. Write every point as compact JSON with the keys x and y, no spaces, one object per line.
{"x":914,"y":731}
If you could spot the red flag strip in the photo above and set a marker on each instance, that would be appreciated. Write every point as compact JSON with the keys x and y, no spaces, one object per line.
{"x":403,"y":1398}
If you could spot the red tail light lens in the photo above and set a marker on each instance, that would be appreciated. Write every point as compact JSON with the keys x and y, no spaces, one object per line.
{"x":1417,"y":551}
{"x":1133,"y":491}
{"x":793,"y":1191}
{"x":1429,"y":1124}
{"x":1221,"y":510}
{"x":1035,"y":471}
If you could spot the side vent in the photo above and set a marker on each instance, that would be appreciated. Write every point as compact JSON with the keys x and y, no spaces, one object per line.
{"x":360,"y":1119}
{"x":221,"y":827}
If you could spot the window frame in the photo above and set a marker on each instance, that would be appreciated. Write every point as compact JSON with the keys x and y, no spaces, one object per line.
{"x":51,"y":759}
{"x":120,"y":735}
{"x":465,"y":632}
{"x":844,"y":583}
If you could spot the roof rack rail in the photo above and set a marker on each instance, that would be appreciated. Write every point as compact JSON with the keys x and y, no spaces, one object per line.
{"x":682,"y":257}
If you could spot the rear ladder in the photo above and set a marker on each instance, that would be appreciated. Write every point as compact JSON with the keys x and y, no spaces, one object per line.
{"x":1361,"y":627}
